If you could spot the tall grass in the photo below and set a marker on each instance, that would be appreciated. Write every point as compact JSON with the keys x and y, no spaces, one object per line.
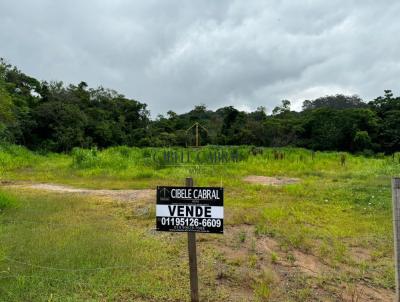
{"x":15,"y":157}
{"x":207,"y":163}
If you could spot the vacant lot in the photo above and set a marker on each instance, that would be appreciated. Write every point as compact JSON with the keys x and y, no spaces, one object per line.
{"x":298,"y":227}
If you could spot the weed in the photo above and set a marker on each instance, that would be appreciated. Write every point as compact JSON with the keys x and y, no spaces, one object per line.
{"x":291,"y":258}
{"x":253,"y":261}
{"x":253,"y":245}
{"x":242,"y":236}
{"x":274,"y":257}
{"x":263,"y":284}
{"x":262,"y":291}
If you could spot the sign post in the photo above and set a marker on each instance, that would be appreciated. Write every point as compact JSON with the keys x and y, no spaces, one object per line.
{"x":194,"y":286}
{"x":193,"y":210}
{"x":396,"y":231}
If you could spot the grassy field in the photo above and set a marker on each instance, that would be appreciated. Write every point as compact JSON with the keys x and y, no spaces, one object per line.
{"x":326,"y":238}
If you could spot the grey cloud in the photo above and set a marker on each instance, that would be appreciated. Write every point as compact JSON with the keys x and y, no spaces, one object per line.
{"x":175,"y":54}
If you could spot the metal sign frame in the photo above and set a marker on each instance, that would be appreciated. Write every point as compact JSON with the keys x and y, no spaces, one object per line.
{"x":190,"y":209}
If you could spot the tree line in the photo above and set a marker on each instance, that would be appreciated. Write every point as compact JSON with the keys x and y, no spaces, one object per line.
{"x":57,"y":117}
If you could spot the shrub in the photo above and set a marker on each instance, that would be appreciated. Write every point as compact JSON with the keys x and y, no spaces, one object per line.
{"x":82,"y":158}
{"x":14,"y":157}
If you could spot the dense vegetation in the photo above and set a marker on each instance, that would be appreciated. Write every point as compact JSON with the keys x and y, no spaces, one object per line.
{"x":55,"y":117}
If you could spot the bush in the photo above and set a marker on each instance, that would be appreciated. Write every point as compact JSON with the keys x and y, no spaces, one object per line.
{"x":83,"y":158}
{"x":15,"y":157}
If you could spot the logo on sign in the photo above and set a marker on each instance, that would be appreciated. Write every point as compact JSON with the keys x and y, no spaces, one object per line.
{"x":164,"y":194}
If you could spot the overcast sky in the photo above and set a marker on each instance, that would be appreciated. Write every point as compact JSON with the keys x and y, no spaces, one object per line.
{"x":176,"y":54}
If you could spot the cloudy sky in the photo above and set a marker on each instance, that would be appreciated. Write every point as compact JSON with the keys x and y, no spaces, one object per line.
{"x":175,"y":54}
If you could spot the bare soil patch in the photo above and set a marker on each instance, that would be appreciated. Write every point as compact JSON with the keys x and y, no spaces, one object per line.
{"x":270,"y":181}
{"x":360,"y":254}
{"x":361,"y":292}
{"x":306,"y":263}
{"x":120,"y":195}
{"x":245,"y":256}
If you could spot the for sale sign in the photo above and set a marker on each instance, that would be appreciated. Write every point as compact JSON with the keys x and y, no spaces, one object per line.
{"x":190,"y":209}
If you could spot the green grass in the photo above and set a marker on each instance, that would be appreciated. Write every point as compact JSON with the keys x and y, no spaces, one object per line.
{"x":6,"y":201}
{"x":335,"y":212}
{"x":65,"y":253}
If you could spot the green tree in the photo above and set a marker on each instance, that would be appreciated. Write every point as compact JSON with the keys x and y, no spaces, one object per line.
{"x":59,"y":126}
{"x":362,"y":141}
{"x":285,"y":107}
{"x":338,"y":101}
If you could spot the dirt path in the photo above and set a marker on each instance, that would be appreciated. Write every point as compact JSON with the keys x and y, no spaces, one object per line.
{"x":121,"y":195}
{"x":272,"y":181}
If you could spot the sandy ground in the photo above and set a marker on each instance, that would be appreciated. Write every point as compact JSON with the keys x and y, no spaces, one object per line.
{"x":271,"y":181}
{"x":121,"y":195}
